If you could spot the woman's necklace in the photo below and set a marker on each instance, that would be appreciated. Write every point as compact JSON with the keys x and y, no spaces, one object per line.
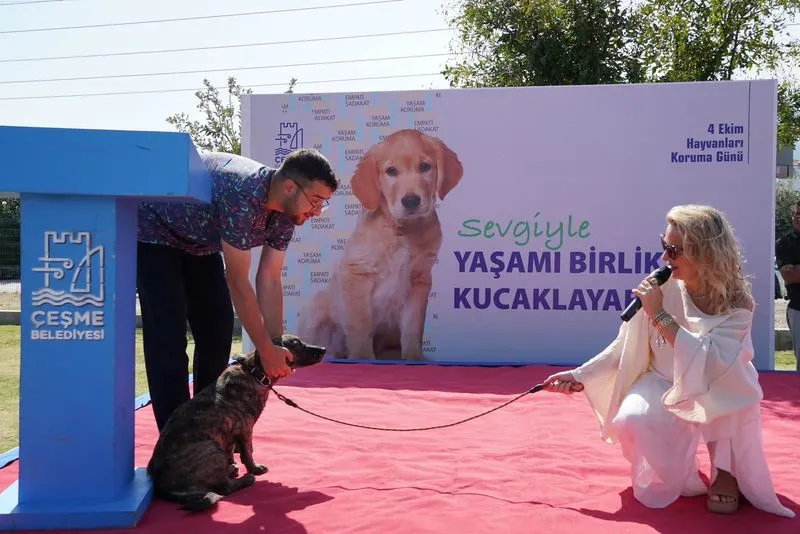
{"x":696,"y":296}
{"x":701,"y":301}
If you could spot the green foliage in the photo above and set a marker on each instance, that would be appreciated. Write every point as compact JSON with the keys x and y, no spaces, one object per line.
{"x":714,"y":39}
{"x":502,"y":43}
{"x":788,"y":114}
{"x":718,"y":39}
{"x":785,"y":198}
{"x":221,"y":130}
{"x":10,"y":210}
{"x":542,"y":42}
{"x":9,"y":239}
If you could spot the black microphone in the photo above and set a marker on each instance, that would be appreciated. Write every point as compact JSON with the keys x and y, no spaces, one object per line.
{"x":661,"y":275}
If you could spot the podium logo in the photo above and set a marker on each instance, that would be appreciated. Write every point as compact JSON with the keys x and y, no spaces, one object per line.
{"x":289,"y":139}
{"x":73,"y":279}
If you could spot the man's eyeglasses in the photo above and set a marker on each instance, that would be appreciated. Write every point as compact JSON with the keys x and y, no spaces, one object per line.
{"x":671,"y":250}
{"x":321,"y":207}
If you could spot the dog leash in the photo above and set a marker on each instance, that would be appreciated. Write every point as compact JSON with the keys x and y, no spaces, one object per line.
{"x":575,"y":387}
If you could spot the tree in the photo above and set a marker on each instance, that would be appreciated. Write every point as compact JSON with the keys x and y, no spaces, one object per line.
{"x":542,"y":42}
{"x":714,"y":39}
{"x":720,"y":39}
{"x":548,"y":42}
{"x":221,"y":130}
{"x":785,"y":197}
{"x":788,"y":114}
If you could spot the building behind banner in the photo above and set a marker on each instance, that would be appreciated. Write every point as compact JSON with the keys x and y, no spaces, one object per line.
{"x":507,"y":225}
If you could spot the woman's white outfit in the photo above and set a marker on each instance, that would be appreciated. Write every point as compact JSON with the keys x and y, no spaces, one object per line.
{"x":658,"y":402}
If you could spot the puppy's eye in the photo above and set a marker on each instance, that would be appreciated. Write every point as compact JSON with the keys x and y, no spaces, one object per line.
{"x":424,"y":167}
{"x":391,"y":171}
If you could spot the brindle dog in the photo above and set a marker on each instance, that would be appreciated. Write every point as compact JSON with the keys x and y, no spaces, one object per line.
{"x":192,"y":462}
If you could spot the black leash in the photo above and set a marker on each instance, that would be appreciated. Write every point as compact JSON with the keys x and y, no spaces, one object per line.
{"x":575,"y":388}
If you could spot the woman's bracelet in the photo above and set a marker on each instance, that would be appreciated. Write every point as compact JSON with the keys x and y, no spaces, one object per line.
{"x":662,"y":319}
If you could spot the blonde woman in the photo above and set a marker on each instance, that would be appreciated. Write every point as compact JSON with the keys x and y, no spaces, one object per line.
{"x":680,"y":372}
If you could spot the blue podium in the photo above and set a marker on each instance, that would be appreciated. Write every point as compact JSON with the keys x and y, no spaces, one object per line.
{"x":79,"y":191}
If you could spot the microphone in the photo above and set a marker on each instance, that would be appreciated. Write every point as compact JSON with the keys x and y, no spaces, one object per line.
{"x":661,"y":275}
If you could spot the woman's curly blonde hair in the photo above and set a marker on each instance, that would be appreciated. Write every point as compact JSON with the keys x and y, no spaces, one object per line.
{"x":710,"y":244}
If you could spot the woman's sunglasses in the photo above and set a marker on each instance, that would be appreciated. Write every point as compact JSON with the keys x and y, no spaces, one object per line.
{"x":671,"y":250}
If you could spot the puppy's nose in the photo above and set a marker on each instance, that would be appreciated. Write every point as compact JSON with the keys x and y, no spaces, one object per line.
{"x":411,"y":202}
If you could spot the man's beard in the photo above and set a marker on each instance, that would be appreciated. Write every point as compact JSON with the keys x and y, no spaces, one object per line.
{"x":291,"y":212}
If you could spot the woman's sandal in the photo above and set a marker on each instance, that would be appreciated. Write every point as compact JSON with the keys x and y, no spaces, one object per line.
{"x":726,"y":489}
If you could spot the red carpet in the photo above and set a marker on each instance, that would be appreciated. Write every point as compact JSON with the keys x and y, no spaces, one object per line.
{"x":537,"y":465}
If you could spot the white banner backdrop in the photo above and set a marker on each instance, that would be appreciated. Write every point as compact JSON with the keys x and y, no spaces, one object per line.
{"x":530,"y":211}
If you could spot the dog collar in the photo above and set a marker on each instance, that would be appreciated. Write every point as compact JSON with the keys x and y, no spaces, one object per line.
{"x":256,"y":372}
{"x":262,"y":378}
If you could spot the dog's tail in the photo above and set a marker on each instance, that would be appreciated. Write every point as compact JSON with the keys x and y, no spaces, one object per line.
{"x":195,"y":501}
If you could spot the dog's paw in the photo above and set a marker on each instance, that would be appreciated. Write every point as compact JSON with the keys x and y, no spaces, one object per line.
{"x":247,"y":480}
{"x":233,"y":470}
{"x":259,"y":469}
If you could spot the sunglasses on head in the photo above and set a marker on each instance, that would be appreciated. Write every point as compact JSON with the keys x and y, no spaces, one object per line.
{"x":671,"y":250}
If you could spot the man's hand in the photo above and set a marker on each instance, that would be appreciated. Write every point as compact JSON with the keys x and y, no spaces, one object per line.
{"x":275,"y":361}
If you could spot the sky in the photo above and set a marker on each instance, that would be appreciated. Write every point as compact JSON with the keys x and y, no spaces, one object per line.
{"x":328,"y":45}
{"x":312,"y":33}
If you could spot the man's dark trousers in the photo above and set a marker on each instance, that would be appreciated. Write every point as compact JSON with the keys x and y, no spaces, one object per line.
{"x":175,"y":287}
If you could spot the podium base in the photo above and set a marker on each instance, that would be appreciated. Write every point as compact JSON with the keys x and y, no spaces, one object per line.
{"x":123,"y":513}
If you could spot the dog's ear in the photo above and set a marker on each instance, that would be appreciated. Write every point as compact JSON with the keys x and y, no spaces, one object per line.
{"x":449,"y":169}
{"x":364,"y":182}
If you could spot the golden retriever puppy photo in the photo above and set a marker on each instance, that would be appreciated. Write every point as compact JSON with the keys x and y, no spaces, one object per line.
{"x":375,"y":302}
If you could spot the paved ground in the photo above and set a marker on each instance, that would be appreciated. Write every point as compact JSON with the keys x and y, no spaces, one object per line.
{"x":780,"y":315}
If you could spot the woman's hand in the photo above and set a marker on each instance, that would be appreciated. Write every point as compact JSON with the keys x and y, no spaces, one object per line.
{"x":651,"y":296}
{"x":563,"y":382}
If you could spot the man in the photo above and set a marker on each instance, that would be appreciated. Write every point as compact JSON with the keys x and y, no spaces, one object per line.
{"x":181,"y":275}
{"x":787,"y":253}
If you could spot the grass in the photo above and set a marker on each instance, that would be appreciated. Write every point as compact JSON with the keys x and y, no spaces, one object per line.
{"x":784,"y":360}
{"x":9,"y":380}
{"x":9,"y":387}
